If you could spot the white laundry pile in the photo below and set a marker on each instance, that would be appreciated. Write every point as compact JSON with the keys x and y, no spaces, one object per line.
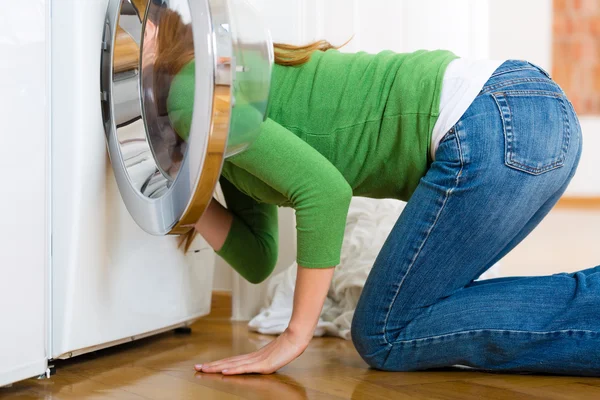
{"x":368,"y":225}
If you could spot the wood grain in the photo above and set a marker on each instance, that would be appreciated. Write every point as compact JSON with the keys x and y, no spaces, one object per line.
{"x":162,"y":368}
{"x":583,"y":203}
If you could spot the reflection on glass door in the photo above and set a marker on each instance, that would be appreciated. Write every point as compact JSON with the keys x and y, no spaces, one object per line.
{"x":184,"y":85}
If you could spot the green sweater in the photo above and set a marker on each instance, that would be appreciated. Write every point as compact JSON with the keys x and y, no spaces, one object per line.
{"x":340,"y":125}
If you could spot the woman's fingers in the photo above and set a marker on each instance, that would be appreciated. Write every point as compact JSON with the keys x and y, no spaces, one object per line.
{"x":228,"y":360}
{"x":258,"y":367}
{"x":229,"y":365}
{"x":213,"y":364}
{"x":267,"y":360}
{"x":231,"y":360}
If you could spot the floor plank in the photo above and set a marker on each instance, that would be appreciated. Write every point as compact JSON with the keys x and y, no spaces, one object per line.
{"x":162,"y":368}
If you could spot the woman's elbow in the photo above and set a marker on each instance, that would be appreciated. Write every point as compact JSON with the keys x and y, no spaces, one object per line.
{"x":346,"y":193}
{"x":340,"y":195}
{"x":264,"y":266}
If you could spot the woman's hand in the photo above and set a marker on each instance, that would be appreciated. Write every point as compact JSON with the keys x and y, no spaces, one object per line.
{"x":281,"y":351}
{"x":310,"y":293}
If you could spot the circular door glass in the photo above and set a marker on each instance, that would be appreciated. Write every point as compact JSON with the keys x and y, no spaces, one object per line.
{"x":166,"y":179}
{"x":184,"y":84}
{"x":252,"y":55}
{"x":167,"y":58}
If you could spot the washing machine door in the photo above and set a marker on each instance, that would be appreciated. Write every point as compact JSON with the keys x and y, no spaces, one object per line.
{"x":184,"y":85}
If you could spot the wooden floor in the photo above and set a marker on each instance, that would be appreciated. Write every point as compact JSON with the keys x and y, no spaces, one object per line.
{"x":161,"y":368}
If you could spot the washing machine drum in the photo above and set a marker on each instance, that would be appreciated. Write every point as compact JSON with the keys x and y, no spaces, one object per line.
{"x":184,"y":85}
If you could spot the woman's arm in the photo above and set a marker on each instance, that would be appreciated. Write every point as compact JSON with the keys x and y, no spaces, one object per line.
{"x":245,"y":234}
{"x":310,"y":293}
{"x":311,"y":290}
{"x":321,"y":197}
{"x":310,"y":183}
{"x":215,"y":224}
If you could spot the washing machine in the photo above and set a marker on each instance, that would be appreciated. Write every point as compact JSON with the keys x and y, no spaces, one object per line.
{"x":122,"y":181}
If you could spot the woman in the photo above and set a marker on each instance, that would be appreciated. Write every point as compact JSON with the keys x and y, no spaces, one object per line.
{"x":481,"y":150}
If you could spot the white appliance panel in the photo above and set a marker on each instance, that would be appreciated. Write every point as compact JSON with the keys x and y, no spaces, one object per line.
{"x":111,"y":281}
{"x":23,"y":210}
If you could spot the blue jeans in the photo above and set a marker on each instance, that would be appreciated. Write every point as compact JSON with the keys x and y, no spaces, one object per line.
{"x":497,"y":173}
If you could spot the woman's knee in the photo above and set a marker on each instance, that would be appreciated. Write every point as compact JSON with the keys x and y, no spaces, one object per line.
{"x":370,"y":342}
{"x":384,"y":356}
{"x":371,"y":351}
{"x":381,"y":355}
{"x":375,"y":348}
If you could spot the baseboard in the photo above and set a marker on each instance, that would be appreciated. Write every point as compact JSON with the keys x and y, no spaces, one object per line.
{"x":582,"y":203}
{"x":221,"y":304}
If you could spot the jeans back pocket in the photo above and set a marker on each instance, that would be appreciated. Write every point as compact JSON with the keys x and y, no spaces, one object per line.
{"x":536,"y":129}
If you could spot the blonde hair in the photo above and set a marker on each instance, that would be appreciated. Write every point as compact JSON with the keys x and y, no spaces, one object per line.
{"x":290,"y":55}
{"x":175,"y":50}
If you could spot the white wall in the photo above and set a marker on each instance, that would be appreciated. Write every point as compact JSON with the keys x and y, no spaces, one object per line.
{"x":521,"y":30}
{"x":23,"y":200}
{"x":586,"y":182}
{"x":399,"y":25}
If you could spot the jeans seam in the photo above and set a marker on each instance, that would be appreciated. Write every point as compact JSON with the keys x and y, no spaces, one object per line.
{"x":512,"y":82}
{"x":567,"y":123}
{"x":446,"y":135}
{"x":516,"y":69}
{"x":458,"y":333}
{"x":542,"y":70}
{"x":528,"y":93}
{"x":437,"y":217}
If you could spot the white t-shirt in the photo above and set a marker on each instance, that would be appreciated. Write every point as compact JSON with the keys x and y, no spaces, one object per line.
{"x":463,"y":80}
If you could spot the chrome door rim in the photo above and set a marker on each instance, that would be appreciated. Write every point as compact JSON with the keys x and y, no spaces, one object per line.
{"x":177,"y":210}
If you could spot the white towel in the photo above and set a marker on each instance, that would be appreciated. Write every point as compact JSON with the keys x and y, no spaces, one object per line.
{"x":368,"y":224}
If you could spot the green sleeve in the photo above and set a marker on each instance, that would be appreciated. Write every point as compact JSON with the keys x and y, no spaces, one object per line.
{"x":180,"y":100}
{"x":251,"y":245}
{"x":312,"y":186}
